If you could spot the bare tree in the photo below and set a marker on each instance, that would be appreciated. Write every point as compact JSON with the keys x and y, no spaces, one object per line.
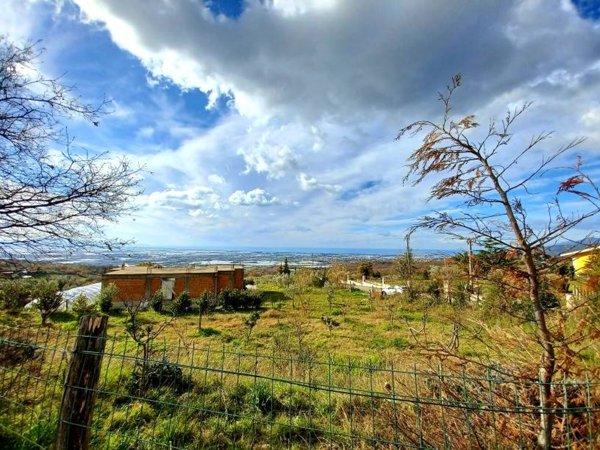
{"x":496,"y":198}
{"x":51,"y":198}
{"x":143,"y":334}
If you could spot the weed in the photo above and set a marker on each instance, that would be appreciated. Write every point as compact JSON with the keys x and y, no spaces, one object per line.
{"x":263,"y":399}
{"x":207,"y":332}
{"x":157,"y":375}
{"x":131,"y":416}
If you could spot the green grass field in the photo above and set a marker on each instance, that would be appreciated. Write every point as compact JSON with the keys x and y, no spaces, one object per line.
{"x":390,"y":328}
{"x":294,"y":382}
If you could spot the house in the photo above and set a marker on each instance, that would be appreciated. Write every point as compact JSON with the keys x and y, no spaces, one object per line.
{"x":136,"y":283}
{"x":579,"y":260}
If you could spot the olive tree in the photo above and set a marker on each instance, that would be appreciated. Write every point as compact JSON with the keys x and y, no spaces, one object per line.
{"x":52,"y":196}
{"x":483,"y":172}
{"x":48,"y":298}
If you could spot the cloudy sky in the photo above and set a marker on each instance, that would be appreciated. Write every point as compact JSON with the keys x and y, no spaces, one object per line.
{"x":272,"y":122}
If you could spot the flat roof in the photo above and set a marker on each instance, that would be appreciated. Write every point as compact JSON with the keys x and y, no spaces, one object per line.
{"x":581,"y":252}
{"x":143,"y":270}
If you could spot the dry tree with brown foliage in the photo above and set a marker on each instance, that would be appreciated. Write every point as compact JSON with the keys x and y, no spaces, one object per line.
{"x":483,"y":172}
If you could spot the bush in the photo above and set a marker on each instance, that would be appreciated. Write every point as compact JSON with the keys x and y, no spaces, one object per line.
{"x":235,"y":299}
{"x":306,"y":277}
{"x":182,"y":303}
{"x":157,"y":375}
{"x":157,"y":301}
{"x":82,"y":306}
{"x":48,"y":298}
{"x":282,"y":280}
{"x":365,"y":269}
{"x":434,"y":291}
{"x":107,"y":296}
{"x":207,"y":302}
{"x":14,"y":294}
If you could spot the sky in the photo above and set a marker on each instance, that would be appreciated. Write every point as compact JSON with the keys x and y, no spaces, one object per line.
{"x":272,"y":123}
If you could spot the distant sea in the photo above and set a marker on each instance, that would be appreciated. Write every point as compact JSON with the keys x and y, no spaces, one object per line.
{"x":169,"y":257}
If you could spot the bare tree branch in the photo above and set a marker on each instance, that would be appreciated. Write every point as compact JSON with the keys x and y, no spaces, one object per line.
{"x":51,"y":200}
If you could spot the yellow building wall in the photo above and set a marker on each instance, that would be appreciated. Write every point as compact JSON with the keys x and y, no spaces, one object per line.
{"x":579,"y":262}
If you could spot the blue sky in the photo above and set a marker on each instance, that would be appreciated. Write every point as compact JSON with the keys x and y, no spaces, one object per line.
{"x":272,"y":123}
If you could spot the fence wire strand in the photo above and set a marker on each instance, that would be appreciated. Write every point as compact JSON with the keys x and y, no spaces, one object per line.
{"x":186,"y":396}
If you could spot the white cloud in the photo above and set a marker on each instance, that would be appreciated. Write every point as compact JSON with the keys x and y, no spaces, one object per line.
{"x":273,"y":159}
{"x":297,"y":7}
{"x":19,"y":19}
{"x":195,"y":200}
{"x":311,"y":59}
{"x":317,"y":91}
{"x":216,"y":179}
{"x":591,"y":118}
{"x":255,"y":197}
{"x":310,"y":183}
{"x":145,"y":132}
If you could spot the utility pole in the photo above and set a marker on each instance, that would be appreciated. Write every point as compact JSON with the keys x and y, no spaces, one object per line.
{"x":447,"y":290}
{"x":408,"y":259}
{"x":470,"y":284}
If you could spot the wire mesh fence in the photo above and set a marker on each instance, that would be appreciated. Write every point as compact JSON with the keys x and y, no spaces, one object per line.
{"x":188,"y":396}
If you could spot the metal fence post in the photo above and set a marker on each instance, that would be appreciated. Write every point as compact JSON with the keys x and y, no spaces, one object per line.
{"x":79,"y":393}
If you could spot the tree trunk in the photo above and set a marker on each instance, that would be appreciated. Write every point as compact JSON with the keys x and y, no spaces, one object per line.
{"x":544,"y":336}
{"x":547,"y":366}
{"x":548,"y":356}
{"x":146,"y":356}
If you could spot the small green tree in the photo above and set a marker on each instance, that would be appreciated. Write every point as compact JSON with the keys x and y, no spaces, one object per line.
{"x":206,"y":303}
{"x":365,"y":269}
{"x":286,"y":267}
{"x":405,"y":266}
{"x":143,"y":334}
{"x":107,"y":296}
{"x":182,"y":303}
{"x":392,"y":303}
{"x":330,"y":323}
{"x":330,"y":293}
{"x":251,"y":323}
{"x":48,"y":298}
{"x":295,"y":292}
{"x":14,"y":294}
{"x":82,"y":306}
{"x":157,"y":301}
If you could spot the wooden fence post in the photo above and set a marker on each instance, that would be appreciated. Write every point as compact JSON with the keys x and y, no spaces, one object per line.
{"x":79,"y":393}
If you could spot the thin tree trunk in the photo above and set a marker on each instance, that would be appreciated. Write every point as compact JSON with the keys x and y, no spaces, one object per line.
{"x":548,"y":360}
{"x":544,"y":335}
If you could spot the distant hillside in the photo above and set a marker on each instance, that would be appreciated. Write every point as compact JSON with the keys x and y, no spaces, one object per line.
{"x":573,"y":246}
